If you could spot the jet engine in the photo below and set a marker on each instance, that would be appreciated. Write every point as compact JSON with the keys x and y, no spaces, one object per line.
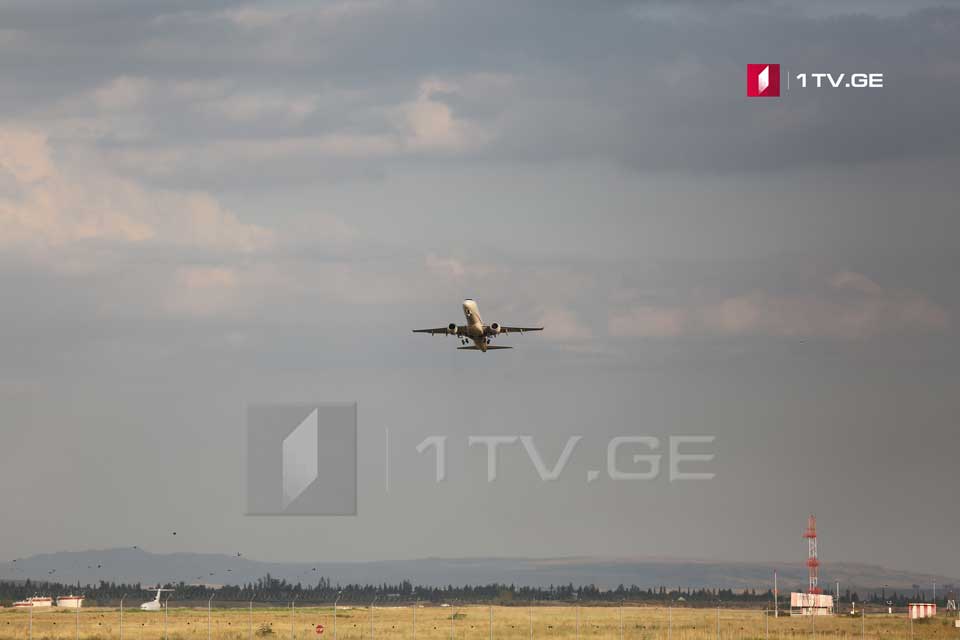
{"x":452,"y":329}
{"x":494,"y":328}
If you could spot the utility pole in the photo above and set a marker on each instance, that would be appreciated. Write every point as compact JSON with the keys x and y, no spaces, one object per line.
{"x":78,"y":618}
{"x":371,"y":614}
{"x":776,"y":596}
{"x":415,"y":605}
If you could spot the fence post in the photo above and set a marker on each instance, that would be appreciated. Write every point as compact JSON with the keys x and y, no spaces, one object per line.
{"x":121,"y":615}
{"x":208,"y":613}
{"x":250,"y":609}
{"x":621,"y":620}
{"x":293,"y":617}
{"x":335,"y":601}
{"x":165,"y":607}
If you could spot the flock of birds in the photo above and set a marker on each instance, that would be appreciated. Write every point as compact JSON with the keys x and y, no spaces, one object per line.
{"x":51,"y":573}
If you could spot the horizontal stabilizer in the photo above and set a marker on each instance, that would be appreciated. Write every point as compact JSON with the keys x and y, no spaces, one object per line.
{"x":475,"y":348}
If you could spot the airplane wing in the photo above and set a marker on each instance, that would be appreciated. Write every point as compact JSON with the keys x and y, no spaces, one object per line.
{"x":439,"y":331}
{"x":519,"y":329}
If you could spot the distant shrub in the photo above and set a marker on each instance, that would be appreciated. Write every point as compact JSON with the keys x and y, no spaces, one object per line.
{"x":265,"y":629}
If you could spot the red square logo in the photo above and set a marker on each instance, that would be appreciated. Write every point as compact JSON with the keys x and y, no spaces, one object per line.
{"x":763,"y":81}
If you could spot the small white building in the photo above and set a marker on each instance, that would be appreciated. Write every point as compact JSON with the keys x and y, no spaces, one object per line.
{"x":921,"y":610}
{"x":811,"y":604}
{"x":36,"y":601}
{"x":70,"y":602}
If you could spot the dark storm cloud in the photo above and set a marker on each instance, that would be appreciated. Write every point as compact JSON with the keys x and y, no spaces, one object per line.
{"x":641,"y":84}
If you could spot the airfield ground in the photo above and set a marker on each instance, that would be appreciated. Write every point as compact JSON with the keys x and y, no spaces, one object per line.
{"x":461,"y":623}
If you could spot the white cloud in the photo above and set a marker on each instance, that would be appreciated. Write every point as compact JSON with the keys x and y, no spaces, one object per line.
{"x":855,"y":307}
{"x":122,"y":93}
{"x":446,"y":266}
{"x":854,"y":281}
{"x":247,"y":107}
{"x":648,"y":321}
{"x":205,"y":290}
{"x":430,"y":123}
{"x":57,"y":205}
{"x":328,"y":14}
{"x":449,"y":267}
{"x":563,"y":325}
{"x":24,"y":155}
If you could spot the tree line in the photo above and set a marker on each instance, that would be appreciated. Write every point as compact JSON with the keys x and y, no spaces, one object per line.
{"x":275,"y":590}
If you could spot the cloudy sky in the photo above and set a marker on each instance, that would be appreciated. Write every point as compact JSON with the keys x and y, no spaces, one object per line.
{"x":208,"y":205}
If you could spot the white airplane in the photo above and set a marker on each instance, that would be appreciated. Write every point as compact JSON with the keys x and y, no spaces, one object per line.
{"x":155,"y":604}
{"x":475,"y":330}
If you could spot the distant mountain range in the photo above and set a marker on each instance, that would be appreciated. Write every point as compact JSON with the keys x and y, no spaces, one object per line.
{"x":137,"y":565}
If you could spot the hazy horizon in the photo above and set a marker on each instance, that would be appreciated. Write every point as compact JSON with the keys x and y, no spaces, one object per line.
{"x":139,"y":565}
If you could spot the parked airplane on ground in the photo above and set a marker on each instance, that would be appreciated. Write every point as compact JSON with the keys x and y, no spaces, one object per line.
{"x":475,"y":330}
{"x":155,"y":604}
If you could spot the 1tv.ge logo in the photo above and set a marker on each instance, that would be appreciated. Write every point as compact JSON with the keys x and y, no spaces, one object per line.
{"x":763,"y":80}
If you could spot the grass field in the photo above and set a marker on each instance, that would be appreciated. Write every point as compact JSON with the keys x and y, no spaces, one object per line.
{"x":461,"y":623}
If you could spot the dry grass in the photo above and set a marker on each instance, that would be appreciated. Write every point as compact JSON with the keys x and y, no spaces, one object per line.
{"x":469,"y":623}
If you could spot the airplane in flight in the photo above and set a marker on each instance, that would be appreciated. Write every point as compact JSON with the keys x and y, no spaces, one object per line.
{"x":155,"y":604}
{"x":481,"y":334}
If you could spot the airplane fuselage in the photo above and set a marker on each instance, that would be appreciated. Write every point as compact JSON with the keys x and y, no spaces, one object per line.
{"x":474,"y":329}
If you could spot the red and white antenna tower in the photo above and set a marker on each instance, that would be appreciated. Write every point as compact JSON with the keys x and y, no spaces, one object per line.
{"x":813,"y":563}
